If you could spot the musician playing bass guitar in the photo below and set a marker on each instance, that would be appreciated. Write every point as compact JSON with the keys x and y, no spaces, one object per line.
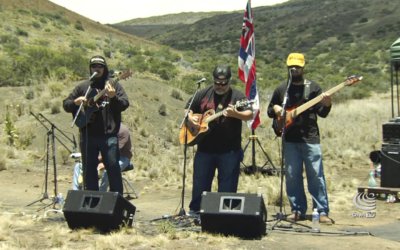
{"x":104,"y":100}
{"x":301,"y":141}
{"x":220,"y":147}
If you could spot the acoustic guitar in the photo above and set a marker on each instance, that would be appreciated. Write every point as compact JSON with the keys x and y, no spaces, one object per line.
{"x":292,"y":113}
{"x":195,"y":133}
{"x":85,"y":116}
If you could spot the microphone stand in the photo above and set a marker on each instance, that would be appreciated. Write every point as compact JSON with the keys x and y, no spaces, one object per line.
{"x":184,"y":121}
{"x":50,"y":140}
{"x":280,"y":216}
{"x":181,"y":221}
{"x":81,"y":105}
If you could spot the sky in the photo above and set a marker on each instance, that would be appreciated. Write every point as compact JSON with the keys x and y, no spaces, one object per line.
{"x":115,"y":11}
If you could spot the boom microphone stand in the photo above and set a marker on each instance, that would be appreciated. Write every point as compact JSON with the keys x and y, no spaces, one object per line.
{"x":50,"y":141}
{"x":182,"y":213}
{"x":280,"y":216}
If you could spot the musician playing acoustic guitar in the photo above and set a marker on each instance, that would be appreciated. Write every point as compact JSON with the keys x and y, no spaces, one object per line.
{"x":220,"y":148}
{"x":101,"y":123}
{"x":301,"y":141}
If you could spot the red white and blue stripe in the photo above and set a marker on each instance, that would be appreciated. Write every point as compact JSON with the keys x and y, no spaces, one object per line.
{"x":247,"y":64}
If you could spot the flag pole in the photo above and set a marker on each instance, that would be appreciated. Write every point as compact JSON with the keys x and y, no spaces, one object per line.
{"x":247,"y":74}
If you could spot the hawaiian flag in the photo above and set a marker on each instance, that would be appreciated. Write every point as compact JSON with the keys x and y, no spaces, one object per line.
{"x":247,"y":63}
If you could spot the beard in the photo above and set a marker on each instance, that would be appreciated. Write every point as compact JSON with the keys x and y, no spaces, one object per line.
{"x":297,"y":78}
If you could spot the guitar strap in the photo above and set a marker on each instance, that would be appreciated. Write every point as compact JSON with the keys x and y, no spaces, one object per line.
{"x":306,"y":93}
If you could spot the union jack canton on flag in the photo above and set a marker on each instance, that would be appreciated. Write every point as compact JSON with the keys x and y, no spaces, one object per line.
{"x":247,"y":64}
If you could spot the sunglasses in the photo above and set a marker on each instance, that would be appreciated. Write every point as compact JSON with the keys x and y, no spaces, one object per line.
{"x":221,"y":82}
{"x":96,"y":66}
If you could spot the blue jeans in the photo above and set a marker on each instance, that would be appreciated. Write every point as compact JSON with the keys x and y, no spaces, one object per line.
{"x":108,"y":146}
{"x":123,"y":163}
{"x":205,"y":164}
{"x":297,"y":154}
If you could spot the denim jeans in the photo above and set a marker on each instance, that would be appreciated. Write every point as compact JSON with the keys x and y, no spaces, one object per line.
{"x":205,"y":164}
{"x":297,"y":154}
{"x":123,"y":163}
{"x":108,"y":146}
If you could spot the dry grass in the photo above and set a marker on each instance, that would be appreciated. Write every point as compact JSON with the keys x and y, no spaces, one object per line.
{"x":352,"y":130}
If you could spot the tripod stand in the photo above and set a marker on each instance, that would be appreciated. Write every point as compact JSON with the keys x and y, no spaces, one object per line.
{"x":50,"y":142}
{"x":254,"y":168}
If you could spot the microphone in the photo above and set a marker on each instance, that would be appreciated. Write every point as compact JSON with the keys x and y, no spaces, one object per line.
{"x":201,"y":80}
{"x":93,"y":75}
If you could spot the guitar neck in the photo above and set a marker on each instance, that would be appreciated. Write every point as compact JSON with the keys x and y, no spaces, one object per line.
{"x":214,"y":116}
{"x":316,"y":100}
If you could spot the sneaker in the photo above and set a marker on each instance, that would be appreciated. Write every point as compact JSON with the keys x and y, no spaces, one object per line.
{"x":324,"y":219}
{"x":295,"y":217}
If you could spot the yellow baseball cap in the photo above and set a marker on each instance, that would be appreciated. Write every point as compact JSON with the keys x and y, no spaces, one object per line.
{"x":295,"y":59}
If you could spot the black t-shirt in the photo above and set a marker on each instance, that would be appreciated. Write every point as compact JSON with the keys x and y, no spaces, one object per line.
{"x":304,"y":127}
{"x":225,"y":133}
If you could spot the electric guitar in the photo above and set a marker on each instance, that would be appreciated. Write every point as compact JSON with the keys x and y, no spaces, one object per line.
{"x":195,"y":133}
{"x":291,"y":114}
{"x":86,"y":114}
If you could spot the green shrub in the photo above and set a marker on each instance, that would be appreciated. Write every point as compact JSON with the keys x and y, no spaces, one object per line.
{"x":10,"y":130}
{"x":55,"y":108}
{"x":176,"y":94}
{"x":21,"y":32}
{"x":79,"y":25}
{"x":162,"y":110}
{"x":29,"y":94}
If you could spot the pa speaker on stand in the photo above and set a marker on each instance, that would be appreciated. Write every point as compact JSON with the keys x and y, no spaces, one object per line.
{"x":105,"y":211}
{"x":242,"y":215}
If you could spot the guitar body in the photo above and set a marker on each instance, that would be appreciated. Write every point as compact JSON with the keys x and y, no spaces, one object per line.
{"x":196,"y":133}
{"x":278,"y":123}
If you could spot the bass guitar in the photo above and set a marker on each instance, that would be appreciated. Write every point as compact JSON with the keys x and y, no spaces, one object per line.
{"x":91,"y":106}
{"x":195,"y":133}
{"x":291,"y":114}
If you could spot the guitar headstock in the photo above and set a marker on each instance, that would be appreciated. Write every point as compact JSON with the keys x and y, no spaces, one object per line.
{"x":124,"y":75}
{"x":353,"y":79}
{"x":244,"y":103}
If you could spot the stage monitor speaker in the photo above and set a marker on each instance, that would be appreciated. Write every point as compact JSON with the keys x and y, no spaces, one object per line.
{"x":105,"y":211}
{"x":390,"y":165}
{"x":242,"y":215}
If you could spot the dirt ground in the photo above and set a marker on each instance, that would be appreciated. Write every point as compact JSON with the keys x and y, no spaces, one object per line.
{"x":24,"y":185}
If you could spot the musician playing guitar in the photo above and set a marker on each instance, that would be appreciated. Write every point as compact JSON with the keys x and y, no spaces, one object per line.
{"x":103,"y":100}
{"x":220,"y":148}
{"x":301,"y":140}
